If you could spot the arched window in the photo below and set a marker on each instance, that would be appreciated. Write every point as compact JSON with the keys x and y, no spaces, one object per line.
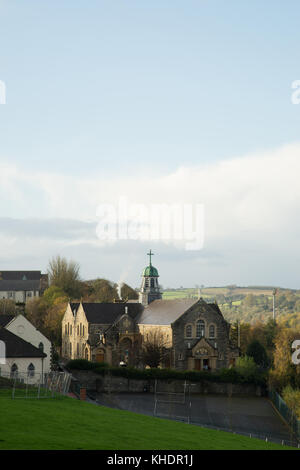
{"x":14,"y":371}
{"x":212,"y":331}
{"x":30,"y":370}
{"x":188,"y":331}
{"x":86,"y":354}
{"x":77,"y":349}
{"x":70,"y":330}
{"x":82,"y":330}
{"x":41,"y":347}
{"x":70,"y":349}
{"x":200,"y":328}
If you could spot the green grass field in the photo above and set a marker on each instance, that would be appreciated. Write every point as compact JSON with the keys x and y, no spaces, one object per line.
{"x":211,"y":292}
{"x":67,"y":423}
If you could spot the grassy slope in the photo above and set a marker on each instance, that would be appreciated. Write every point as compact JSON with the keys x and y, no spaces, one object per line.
{"x":67,"y":423}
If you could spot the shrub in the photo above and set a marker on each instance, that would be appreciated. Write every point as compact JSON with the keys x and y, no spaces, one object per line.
{"x":244,"y":373}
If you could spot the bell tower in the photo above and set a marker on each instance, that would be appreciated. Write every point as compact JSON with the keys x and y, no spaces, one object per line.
{"x":150,"y":288}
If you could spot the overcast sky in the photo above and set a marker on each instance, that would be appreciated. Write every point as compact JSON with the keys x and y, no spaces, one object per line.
{"x":157,"y":101}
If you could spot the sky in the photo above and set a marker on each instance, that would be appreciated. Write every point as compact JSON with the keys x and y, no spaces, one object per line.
{"x":160,"y":102}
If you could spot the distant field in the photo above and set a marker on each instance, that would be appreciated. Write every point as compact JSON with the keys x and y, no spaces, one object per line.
{"x":211,"y":292}
{"x":69,"y":424}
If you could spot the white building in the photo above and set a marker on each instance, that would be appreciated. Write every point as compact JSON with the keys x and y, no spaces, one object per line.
{"x":21,"y":357}
{"x":21,"y":327}
{"x":21,"y":286}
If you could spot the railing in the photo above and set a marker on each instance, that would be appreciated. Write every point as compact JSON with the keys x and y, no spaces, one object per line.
{"x":286,"y":413}
{"x":37,"y":385}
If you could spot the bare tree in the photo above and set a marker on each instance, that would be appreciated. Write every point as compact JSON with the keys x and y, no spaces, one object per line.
{"x":65,"y":274}
{"x":155,"y":350}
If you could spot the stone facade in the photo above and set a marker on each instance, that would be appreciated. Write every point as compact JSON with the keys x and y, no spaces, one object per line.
{"x":192,"y":333}
{"x":201,"y":339}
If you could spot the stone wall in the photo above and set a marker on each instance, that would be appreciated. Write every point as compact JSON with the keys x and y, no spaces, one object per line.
{"x":111,"y":384}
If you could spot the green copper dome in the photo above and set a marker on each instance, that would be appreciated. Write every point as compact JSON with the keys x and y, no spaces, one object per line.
{"x":150,"y":271}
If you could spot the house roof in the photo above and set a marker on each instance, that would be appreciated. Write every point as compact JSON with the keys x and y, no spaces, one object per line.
{"x":15,"y":285}
{"x":5,"y":319}
{"x":19,"y":275}
{"x":164,"y":312}
{"x":106,"y":313}
{"x":18,"y":347}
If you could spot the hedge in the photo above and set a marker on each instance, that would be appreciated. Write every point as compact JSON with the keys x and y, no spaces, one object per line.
{"x":224,"y":375}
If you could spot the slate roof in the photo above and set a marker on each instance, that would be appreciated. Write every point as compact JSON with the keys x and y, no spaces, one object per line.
{"x":18,"y":275}
{"x":7,"y":285}
{"x":107,"y":313}
{"x":18,"y":347}
{"x":5,"y":319}
{"x":164,"y":312}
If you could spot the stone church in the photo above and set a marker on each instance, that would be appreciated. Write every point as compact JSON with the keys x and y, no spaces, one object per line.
{"x":193,"y":332}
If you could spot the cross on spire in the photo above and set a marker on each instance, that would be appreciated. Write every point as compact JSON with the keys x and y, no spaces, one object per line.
{"x":150,"y":254}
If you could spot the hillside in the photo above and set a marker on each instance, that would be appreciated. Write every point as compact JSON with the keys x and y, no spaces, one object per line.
{"x":66,"y":423}
{"x":247,"y":304}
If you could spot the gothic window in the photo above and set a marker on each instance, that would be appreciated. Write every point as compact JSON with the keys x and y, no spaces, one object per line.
{"x":30,"y":370}
{"x":78,"y":330}
{"x":188,"y":331}
{"x":77,"y":349}
{"x":82,"y":330}
{"x":41,"y":347}
{"x":70,"y":330}
{"x":66,"y":329}
{"x":70,"y":349}
{"x":212,"y":331}
{"x":200,"y":328}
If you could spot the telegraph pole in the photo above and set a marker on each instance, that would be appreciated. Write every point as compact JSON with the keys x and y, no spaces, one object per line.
{"x":274,"y":314}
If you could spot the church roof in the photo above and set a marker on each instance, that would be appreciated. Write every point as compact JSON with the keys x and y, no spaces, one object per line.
{"x":164,"y":312}
{"x":107,"y":313}
{"x":150,"y":271}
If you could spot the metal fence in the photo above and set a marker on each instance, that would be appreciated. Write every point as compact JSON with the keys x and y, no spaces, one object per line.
{"x":25,"y":385}
{"x":285,"y":412}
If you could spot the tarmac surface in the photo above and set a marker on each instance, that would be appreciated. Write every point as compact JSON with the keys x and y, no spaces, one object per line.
{"x":243,"y":415}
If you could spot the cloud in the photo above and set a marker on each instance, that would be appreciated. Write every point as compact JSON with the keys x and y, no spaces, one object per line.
{"x":251,"y":209}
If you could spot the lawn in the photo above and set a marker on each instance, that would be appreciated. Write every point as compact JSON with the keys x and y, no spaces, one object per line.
{"x":67,"y":423}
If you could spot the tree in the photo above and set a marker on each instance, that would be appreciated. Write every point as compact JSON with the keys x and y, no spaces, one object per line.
{"x":155,"y":349}
{"x":291,"y":397}
{"x":284,"y":372}
{"x":246,"y":366}
{"x":65,"y":275}
{"x":128,"y":293}
{"x":102,"y":290}
{"x":256,"y":350}
{"x":7,"y":306}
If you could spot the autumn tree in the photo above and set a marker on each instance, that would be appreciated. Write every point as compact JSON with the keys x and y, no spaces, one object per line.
{"x":284,"y":372}
{"x":7,"y":306}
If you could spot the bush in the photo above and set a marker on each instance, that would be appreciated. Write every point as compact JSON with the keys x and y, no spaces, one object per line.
{"x":243,"y":374}
{"x":83,"y":364}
